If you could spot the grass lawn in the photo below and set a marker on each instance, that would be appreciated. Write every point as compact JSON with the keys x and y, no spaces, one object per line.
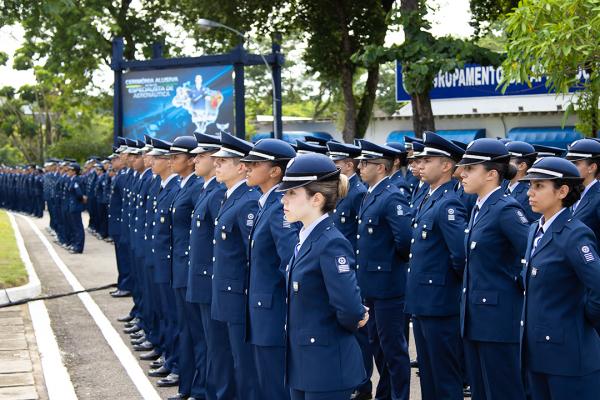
{"x":12,"y":270}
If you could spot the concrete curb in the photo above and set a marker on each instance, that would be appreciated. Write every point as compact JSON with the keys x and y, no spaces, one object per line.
{"x":29,"y":290}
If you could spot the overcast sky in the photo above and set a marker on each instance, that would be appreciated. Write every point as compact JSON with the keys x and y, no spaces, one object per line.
{"x":450,"y":18}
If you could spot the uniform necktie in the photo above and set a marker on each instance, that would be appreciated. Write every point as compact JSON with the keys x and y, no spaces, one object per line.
{"x":424,"y":200}
{"x":538,"y":236}
{"x":296,"y":249}
{"x":475,"y":214}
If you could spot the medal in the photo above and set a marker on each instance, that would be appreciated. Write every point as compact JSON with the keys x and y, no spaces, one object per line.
{"x":343,"y":220}
{"x":198,"y":224}
{"x":534,"y":272}
{"x":473,"y":244}
{"x":223,"y":235}
{"x":295,"y":286}
{"x":424,"y":235}
{"x":370,"y":230}
{"x":162,"y":220}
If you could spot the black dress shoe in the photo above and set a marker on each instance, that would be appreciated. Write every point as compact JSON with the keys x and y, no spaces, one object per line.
{"x":361,"y":396}
{"x":467,"y":391}
{"x":137,"y":335}
{"x":138,"y":341}
{"x":179,"y":396}
{"x":153,"y":355}
{"x":133,"y":329}
{"x":125,"y":318}
{"x":159,"y":372}
{"x":145,"y":346}
{"x":131,"y":323}
{"x":121,"y":293}
{"x":169,"y":380}
{"x":157,"y":363}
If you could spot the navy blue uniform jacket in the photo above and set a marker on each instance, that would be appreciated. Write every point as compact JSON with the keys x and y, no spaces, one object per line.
{"x":230,"y":267}
{"x":562,"y":300}
{"x":492,"y":294}
{"x":438,"y":255}
{"x":324,"y":309}
{"x":383,"y":243}
{"x":272,"y":243}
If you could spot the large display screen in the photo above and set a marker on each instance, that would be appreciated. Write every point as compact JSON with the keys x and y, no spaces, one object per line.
{"x":166,"y":103}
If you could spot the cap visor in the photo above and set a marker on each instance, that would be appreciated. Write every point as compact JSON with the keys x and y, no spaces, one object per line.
{"x":283,"y":186}
{"x":225,"y":154}
{"x":253,"y":158}
{"x":469,"y":161}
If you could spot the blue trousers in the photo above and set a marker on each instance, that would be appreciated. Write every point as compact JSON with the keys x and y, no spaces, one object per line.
{"x":438,"y":343}
{"x":220,"y":376}
{"x":152,"y":307}
{"x":270,"y":368}
{"x":168,"y":317}
{"x":123,"y":267}
{"x":77,"y":238}
{"x":555,"y":387}
{"x":187,"y":348}
{"x":389,"y":330}
{"x":362,"y":336}
{"x":337,"y":395}
{"x":493,"y":370}
{"x":243,"y":361}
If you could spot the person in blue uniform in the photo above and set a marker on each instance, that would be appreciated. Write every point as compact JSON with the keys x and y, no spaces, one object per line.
{"x":75,"y":200}
{"x":421,"y":188}
{"x":410,"y":177}
{"x":495,"y":244}
{"x":324,"y":308}
{"x":272,"y":240}
{"x":345,"y":218}
{"x":162,"y":253}
{"x":192,"y":347}
{"x":384,"y":222}
{"x":400,"y":170}
{"x":434,"y":279}
{"x":585,"y":154}
{"x":230,"y":268}
{"x":308,"y":148}
{"x":522,"y":157}
{"x":560,"y":350}
{"x":220,"y":381}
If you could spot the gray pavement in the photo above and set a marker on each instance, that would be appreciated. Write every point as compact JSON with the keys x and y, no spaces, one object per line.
{"x":95,"y":370}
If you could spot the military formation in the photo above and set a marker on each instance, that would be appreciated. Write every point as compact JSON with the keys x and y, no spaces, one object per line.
{"x":272,"y":271}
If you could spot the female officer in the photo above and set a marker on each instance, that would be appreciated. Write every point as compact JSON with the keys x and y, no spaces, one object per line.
{"x":560,"y":350}
{"x":491,"y":297}
{"x":272,"y":241}
{"x":323,"y":358}
{"x":75,"y":201}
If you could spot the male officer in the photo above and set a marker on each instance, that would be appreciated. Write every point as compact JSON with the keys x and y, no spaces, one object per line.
{"x":345,"y":218}
{"x":75,"y":200}
{"x":585,"y":154}
{"x":384,"y":223}
{"x":162,"y":253}
{"x":400,"y":169}
{"x":522,"y":157}
{"x":192,"y":353}
{"x":435,"y":274}
{"x":220,"y":381}
{"x":272,"y":240}
{"x":115,"y":208}
{"x":230,"y":268}
{"x":422,"y":187}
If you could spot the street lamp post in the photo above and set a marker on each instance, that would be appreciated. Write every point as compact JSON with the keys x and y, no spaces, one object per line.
{"x":275,"y":84}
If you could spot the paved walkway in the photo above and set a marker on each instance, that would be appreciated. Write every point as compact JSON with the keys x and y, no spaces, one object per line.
{"x":20,"y":368}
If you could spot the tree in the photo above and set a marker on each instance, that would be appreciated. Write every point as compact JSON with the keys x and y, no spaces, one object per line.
{"x":422,"y":57}
{"x":558,"y":39}
{"x":486,"y":13}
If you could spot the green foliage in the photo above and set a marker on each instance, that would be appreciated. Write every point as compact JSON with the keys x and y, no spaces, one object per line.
{"x":3,"y":58}
{"x":485,"y":13}
{"x":84,"y":140}
{"x":559,"y":39}
{"x":9,"y":155}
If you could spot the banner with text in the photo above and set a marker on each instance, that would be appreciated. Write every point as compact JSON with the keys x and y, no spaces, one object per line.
{"x":473,"y":81}
{"x":166,"y":103}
